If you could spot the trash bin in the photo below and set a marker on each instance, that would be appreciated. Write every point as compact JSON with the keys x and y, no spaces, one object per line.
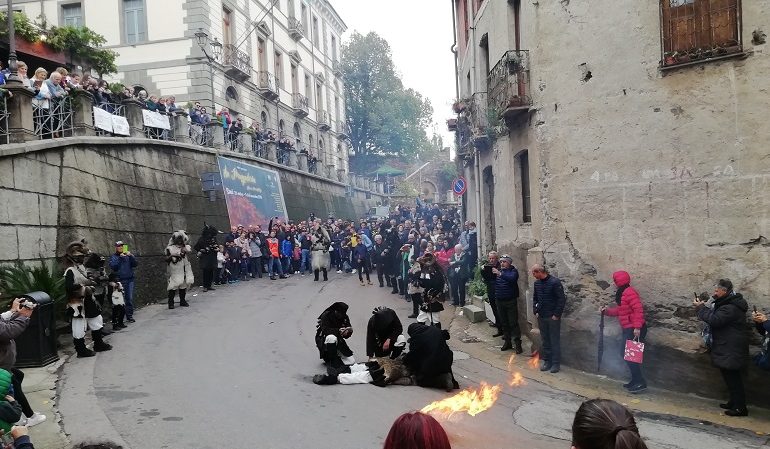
{"x":36,"y":346}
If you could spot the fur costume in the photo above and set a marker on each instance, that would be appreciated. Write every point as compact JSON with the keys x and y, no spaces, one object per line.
{"x":320,"y":258}
{"x":179,"y":270}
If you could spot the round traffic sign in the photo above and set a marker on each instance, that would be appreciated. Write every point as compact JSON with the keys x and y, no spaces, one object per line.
{"x":459,"y":186}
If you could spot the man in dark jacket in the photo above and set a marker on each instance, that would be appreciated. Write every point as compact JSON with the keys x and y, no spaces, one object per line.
{"x":123,"y":263}
{"x":384,"y":334}
{"x":332,"y":330}
{"x":548,"y":300}
{"x":429,"y":357}
{"x":730,"y":347}
{"x":493,"y":262}
{"x":507,"y":294}
{"x":378,"y":260}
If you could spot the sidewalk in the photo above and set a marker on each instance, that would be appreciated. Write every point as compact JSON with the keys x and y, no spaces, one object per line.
{"x":40,"y":388}
{"x":476,"y":340}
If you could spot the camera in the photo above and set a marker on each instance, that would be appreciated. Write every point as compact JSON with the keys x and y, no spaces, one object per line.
{"x":28,"y":303}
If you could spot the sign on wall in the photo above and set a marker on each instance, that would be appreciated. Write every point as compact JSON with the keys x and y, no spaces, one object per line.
{"x":253,"y":194}
{"x":154,"y":119}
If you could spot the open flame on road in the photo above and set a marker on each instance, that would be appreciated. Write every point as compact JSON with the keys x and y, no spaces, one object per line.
{"x":471,"y":401}
{"x":534,"y":362}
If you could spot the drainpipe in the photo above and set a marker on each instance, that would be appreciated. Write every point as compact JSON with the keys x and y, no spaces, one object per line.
{"x":478,"y":202}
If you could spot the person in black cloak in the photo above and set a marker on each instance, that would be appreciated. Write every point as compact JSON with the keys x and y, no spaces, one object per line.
{"x":206,"y":249}
{"x":429,"y":358}
{"x":384,"y":334}
{"x":333,"y":329}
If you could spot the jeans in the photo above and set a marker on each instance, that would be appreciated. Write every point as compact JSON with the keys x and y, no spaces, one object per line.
{"x":274,"y":265}
{"x":634,"y":368}
{"x":304,"y":264}
{"x":128,"y":295}
{"x":256,"y":267}
{"x":508,"y":311}
{"x":550,"y":332}
{"x":363,"y":266}
{"x":457,"y":290}
{"x":286,"y":264}
{"x":734,"y":384}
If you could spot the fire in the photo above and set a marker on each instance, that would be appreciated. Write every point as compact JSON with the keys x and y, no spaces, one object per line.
{"x":517,"y":380}
{"x":534,"y":362}
{"x":510,"y":361}
{"x":472,"y":401}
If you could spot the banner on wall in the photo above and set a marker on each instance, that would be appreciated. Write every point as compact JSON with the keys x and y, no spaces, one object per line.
{"x":152,"y":119}
{"x":253,"y":194}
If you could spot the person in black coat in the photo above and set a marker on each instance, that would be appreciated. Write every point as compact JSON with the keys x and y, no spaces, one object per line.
{"x":391,"y":254}
{"x":384,"y":334}
{"x":332,"y":330}
{"x":548,"y":300}
{"x":730,"y":341}
{"x":206,"y":249}
{"x":429,"y":358}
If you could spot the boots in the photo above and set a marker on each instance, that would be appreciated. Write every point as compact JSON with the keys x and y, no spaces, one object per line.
{"x":324,"y":379}
{"x":171,"y":294}
{"x":394,"y":284}
{"x":326,"y":274}
{"x":99,"y":344}
{"x":517,"y":347}
{"x":387,"y":281}
{"x":315,"y":274}
{"x":506,"y":345}
{"x":182,"y":294}
{"x":80,"y":348}
{"x":401,"y":287}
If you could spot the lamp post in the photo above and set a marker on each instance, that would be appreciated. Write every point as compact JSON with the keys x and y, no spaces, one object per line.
{"x":216,"y":51}
{"x":13,"y":77}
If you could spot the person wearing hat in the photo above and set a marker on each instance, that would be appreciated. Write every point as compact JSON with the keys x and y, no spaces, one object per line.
{"x":123,"y":263}
{"x":507,"y":295}
{"x":730,"y":347}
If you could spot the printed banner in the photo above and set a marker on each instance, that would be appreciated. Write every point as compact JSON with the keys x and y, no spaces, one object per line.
{"x":253,"y":194}
{"x":154,"y":119}
{"x":120,"y":126}
{"x":102,"y":119}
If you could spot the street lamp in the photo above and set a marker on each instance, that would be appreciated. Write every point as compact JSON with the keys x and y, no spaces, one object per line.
{"x":13,"y":77}
{"x":216,"y":52}
{"x":216,"y":48}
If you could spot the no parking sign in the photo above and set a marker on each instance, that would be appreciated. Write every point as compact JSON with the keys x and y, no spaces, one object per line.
{"x":459,"y":186}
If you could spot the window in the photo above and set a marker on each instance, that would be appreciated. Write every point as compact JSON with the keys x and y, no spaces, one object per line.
{"x":334,"y":48}
{"x":319,"y":98}
{"x":326,"y":43}
{"x":262,"y":61}
{"x":297,"y":132}
{"x":278,"y":69}
{"x":281,"y":127}
{"x":294,"y":79}
{"x":135,"y":21}
{"x":231,"y":94}
{"x":699,"y":29}
{"x":308,"y":91}
{"x":526,"y":208}
{"x":290,"y":7}
{"x":263,"y":118}
{"x":316,"y":36}
{"x":304,"y":18}
{"x":227,"y":26}
{"x":72,"y":15}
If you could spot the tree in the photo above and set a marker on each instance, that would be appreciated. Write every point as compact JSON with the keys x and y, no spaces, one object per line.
{"x":386,"y":119}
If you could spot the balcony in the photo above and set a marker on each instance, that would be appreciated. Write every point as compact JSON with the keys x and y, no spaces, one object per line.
{"x":236,"y":63}
{"x":323,"y":121}
{"x":300,"y":105}
{"x":266,"y":86}
{"x":337,"y":68}
{"x":509,"y":90}
{"x":479,"y":120}
{"x":342,"y":129}
{"x":296,"y":30}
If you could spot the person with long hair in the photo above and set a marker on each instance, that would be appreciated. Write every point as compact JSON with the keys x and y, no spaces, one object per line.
{"x":605,"y":424}
{"x":416,"y":431}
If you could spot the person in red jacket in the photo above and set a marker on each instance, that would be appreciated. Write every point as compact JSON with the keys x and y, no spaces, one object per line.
{"x":631,"y":317}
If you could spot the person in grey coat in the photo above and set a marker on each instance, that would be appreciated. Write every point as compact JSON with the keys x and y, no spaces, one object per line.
{"x":730,"y":341}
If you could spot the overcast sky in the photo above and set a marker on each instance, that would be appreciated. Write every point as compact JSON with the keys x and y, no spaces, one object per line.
{"x":420,"y":36}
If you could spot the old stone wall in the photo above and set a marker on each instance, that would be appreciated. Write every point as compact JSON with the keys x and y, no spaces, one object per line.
{"x":663,"y":174}
{"x":135,"y":190}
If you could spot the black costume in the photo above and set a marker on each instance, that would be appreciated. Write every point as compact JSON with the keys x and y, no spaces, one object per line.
{"x":391,"y":255}
{"x":429,"y":358}
{"x":384,"y":325}
{"x":207,"y":249}
{"x":329,"y":337}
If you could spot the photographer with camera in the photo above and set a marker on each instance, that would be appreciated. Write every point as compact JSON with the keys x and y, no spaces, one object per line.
{"x":763,"y":327}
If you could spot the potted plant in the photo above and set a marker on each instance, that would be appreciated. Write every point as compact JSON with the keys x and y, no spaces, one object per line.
{"x":476,"y":287}
{"x":669,"y":58}
{"x":514,"y":64}
{"x":459,"y":106}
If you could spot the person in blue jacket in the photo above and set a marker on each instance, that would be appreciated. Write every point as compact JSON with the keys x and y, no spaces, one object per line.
{"x":361,"y":259}
{"x":123,"y":264}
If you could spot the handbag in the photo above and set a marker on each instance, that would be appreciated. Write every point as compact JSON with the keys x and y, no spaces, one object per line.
{"x":634,"y":351}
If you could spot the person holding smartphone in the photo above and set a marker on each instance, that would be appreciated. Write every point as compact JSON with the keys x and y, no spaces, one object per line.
{"x":123,"y":263}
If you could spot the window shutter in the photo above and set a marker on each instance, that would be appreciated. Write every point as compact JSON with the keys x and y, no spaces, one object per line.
{"x":131,"y":27}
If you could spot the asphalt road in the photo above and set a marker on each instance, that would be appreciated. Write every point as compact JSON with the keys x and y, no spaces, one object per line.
{"x":233,"y":371}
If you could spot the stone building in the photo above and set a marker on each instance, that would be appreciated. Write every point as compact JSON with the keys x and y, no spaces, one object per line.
{"x":278,"y":64}
{"x":608,"y":135}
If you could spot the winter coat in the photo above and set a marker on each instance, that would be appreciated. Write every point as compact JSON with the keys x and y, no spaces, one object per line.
{"x":255,"y":246}
{"x":458,"y":266}
{"x":507,"y":284}
{"x":359,"y":252}
{"x":272,"y":245}
{"x":287,"y":248}
{"x":10,"y":328}
{"x":730,"y":346}
{"x":330,"y":321}
{"x":383,"y":325}
{"x":629,"y":310}
{"x":207,"y":250}
{"x":414,"y":276}
{"x":10,"y":411}
{"x":123,"y":266}
{"x":179,"y":270}
{"x":548,"y":297}
{"x":444,"y":257}
{"x":429,"y":355}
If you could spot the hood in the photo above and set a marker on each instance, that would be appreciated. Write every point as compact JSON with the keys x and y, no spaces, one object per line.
{"x":417,"y":329}
{"x":339,"y":306}
{"x":621,"y":278}
{"x":383,"y":318}
{"x":737,"y":300}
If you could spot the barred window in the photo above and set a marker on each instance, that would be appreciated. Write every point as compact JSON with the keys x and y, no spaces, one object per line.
{"x":699,"y":29}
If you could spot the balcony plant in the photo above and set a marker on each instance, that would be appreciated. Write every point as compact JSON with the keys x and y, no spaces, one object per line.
{"x":23,"y":27}
{"x":460,"y":105}
{"x":514,"y":64}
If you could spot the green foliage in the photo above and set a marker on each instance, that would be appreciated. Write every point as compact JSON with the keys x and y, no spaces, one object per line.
{"x":447,"y":174}
{"x":84,"y":43}
{"x":117,"y":88}
{"x":406,"y":188}
{"x":103,"y":61}
{"x":386,"y":119}
{"x":476,"y":286}
{"x":23,"y":27}
{"x":19,"y":279}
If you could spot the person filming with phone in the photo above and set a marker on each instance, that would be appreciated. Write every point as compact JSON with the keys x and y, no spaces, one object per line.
{"x":763,"y":327}
{"x":123,"y":263}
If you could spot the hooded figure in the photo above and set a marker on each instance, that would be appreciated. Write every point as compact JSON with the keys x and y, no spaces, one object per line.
{"x":431,"y":279}
{"x":429,"y":358}
{"x":630,"y":314}
{"x":206,"y":249}
{"x":384,"y":334}
{"x":333,"y":329}
{"x":179,"y":270}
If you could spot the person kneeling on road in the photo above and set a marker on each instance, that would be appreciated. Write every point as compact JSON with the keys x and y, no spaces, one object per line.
{"x":384,"y":334}
{"x":429,"y":358}
{"x":332,"y":330}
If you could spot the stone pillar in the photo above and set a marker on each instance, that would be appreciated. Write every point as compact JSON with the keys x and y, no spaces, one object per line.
{"x":134,"y":117}
{"x":293,"y":158}
{"x":302,"y":162}
{"x":246,"y":139}
{"x":82,"y":114}
{"x":271,"y":151}
{"x":217,"y":134}
{"x":341,"y":175}
{"x":331,"y":172}
{"x":21,"y":125}
{"x":181,"y":127}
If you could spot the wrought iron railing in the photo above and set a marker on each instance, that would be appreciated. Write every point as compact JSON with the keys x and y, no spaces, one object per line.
{"x":300,"y":103}
{"x":236,"y":58}
{"x":342,"y":128}
{"x":337,"y":67}
{"x":295,"y":27}
{"x":312,"y":164}
{"x":53,"y":118}
{"x":154,"y":133}
{"x":201,"y":134}
{"x":266,"y":82}
{"x":234,"y":141}
{"x":114,"y":109}
{"x":508,"y":82}
{"x":4,"y":135}
{"x":323,"y":119}
{"x":283,"y":156}
{"x":258,"y":147}
{"x":478,"y":110}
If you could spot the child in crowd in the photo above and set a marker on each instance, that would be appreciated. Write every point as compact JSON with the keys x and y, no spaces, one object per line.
{"x":361,"y":259}
{"x":244,"y":266}
{"x":115,"y":293}
{"x":221,"y":265}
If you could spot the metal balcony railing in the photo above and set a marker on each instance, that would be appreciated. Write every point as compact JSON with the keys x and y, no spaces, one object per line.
{"x":52,"y":118}
{"x":478,"y":112}
{"x":237,"y":63}
{"x":296,"y":30}
{"x":267,"y":86}
{"x":155,"y":133}
{"x":4,"y":135}
{"x":342,"y":129}
{"x":508,"y":84}
{"x":337,"y":67}
{"x":324,"y":121}
{"x":114,"y":109}
{"x":300,"y":105}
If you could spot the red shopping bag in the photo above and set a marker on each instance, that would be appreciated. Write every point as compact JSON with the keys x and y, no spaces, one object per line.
{"x":634,"y":351}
